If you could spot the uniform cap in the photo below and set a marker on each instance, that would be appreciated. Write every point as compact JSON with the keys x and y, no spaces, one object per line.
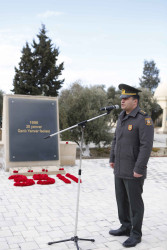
{"x":128,"y":91}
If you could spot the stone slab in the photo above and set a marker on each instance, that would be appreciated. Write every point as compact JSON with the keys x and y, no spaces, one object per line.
{"x":37,"y":170}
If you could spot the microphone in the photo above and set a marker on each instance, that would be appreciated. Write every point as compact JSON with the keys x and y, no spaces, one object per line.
{"x":108,"y":108}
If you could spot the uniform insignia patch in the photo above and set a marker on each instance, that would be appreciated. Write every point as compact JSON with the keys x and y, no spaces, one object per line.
{"x":130,"y":127}
{"x":148,"y":121}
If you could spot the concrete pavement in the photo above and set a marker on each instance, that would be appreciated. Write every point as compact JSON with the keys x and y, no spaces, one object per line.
{"x":30,"y":217}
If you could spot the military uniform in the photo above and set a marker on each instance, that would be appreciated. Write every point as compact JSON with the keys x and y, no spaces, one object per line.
{"x":130,"y":152}
{"x":132,"y":144}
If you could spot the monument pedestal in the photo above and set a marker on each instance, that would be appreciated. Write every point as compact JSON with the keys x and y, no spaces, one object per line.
{"x":67,"y":153}
{"x":52,"y":170}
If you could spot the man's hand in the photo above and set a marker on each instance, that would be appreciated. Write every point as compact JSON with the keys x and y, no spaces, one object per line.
{"x":137,"y":175}
{"x":112,"y":164}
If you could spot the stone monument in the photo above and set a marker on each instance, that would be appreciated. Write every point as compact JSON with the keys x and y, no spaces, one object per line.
{"x":26,"y":121}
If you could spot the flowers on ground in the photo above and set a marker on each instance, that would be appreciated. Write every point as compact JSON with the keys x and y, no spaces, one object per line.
{"x":64,"y":179}
{"x":42,"y":179}
{"x":72,"y":177}
{"x":21,"y":180}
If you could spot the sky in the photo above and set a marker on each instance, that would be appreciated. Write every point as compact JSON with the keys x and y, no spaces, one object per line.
{"x":100,"y":41}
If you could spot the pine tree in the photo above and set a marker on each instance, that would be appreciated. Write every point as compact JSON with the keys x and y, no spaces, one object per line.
{"x":38,"y":71}
{"x":150,"y":78}
{"x":24,"y":80}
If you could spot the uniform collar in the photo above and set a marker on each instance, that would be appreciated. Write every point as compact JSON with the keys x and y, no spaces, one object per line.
{"x":133,"y":113}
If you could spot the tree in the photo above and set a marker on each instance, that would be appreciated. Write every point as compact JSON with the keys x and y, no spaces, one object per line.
{"x":113,"y":98}
{"x":149,"y":104}
{"x":24,"y":81}
{"x":82,"y":103}
{"x":150,"y":78}
{"x":38,"y":71}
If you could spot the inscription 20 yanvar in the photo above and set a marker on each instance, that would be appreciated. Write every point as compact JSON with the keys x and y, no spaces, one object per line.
{"x":33,"y":127}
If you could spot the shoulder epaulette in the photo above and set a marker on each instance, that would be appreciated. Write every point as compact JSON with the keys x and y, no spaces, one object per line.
{"x":142,"y":112}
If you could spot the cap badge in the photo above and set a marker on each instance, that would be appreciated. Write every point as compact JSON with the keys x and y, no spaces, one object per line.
{"x":130,"y":127}
{"x":124,"y":93}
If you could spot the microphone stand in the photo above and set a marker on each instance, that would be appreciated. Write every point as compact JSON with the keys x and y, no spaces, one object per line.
{"x":82,"y":125}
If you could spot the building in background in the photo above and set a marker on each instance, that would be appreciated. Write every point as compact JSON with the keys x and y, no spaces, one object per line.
{"x":161,"y":96}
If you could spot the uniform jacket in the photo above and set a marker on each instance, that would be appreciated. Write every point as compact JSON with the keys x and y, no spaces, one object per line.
{"x":132,"y":144}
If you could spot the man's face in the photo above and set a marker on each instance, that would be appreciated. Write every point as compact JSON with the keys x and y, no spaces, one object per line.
{"x":128,"y":104}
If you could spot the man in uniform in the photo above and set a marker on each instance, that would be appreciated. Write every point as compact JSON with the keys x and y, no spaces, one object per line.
{"x":130,"y":152}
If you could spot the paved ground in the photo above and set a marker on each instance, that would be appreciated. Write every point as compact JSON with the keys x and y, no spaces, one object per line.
{"x":30,"y":217}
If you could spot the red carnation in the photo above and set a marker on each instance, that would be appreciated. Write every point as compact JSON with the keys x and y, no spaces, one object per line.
{"x":72,"y":177}
{"x":12,"y":177}
{"x":40,"y":177}
{"x":28,"y":182}
{"x":46,"y":182}
{"x":22,"y":178}
{"x":17,"y":177}
{"x":61,"y":177}
{"x":15,"y":171}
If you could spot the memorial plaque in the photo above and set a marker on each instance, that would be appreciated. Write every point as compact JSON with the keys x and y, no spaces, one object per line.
{"x":30,"y":120}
